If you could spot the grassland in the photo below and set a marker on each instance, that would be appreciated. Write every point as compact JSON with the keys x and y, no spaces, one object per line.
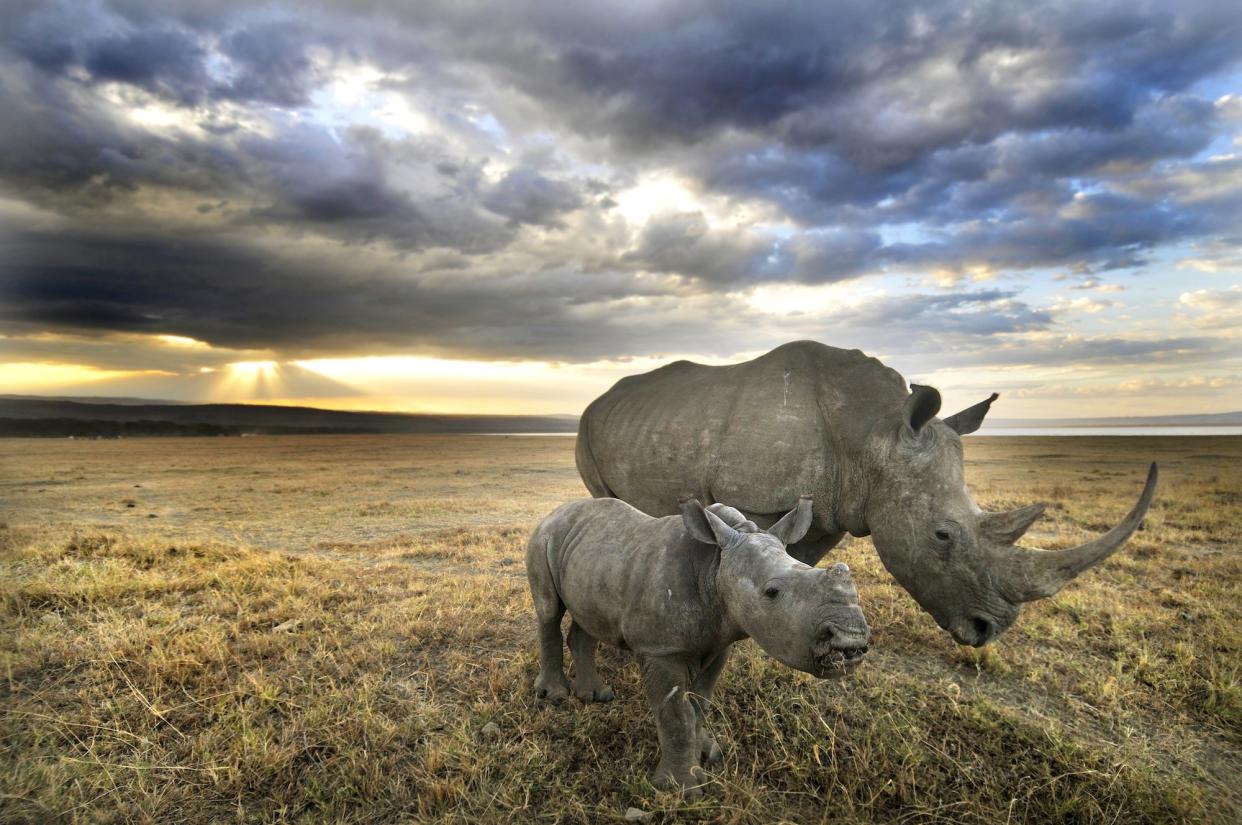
{"x":337,"y":629}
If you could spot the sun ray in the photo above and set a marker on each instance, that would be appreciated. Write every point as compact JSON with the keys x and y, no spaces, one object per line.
{"x":248,"y":381}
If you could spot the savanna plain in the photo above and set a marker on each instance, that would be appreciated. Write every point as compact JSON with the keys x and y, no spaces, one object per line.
{"x":338,"y":629}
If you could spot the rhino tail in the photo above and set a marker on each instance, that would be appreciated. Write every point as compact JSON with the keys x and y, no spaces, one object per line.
{"x":541,"y":573}
{"x":588,"y":469}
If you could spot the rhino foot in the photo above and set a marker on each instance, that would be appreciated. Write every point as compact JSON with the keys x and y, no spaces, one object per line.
{"x":552,"y":688}
{"x":594,"y":693}
{"x":690,"y":785}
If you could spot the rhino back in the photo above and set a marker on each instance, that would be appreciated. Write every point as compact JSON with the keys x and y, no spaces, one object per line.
{"x":754,"y":435}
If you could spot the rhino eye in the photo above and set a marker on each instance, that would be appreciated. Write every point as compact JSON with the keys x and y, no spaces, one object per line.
{"x":945,"y":534}
{"x":771,"y":591}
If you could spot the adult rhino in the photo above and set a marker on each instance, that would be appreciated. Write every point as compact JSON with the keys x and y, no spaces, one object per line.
{"x":836,"y":424}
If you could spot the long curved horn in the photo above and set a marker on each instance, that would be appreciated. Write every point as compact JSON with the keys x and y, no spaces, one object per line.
{"x":1037,"y":575}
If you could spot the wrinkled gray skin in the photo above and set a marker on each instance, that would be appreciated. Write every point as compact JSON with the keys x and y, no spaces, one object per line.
{"x":811,"y":419}
{"x":678,"y":592}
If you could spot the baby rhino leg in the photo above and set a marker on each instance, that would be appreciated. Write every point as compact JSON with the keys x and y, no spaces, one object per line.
{"x":551,"y":683}
{"x":587,"y":684}
{"x":704,"y":685}
{"x":666,"y":682}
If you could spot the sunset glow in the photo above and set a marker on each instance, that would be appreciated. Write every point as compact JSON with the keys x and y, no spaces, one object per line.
{"x":54,"y":377}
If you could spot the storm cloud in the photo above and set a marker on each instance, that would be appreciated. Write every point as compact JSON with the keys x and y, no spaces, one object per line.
{"x":530,"y":180}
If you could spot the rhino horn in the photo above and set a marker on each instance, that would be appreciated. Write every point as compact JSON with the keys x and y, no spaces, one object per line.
{"x":971,"y":418}
{"x":1011,"y":525}
{"x":1039,"y":574}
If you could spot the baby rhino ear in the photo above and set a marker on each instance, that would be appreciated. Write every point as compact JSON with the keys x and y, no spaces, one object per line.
{"x":707,"y":527}
{"x":694,"y":517}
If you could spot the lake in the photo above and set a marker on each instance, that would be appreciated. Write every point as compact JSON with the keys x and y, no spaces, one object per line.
{"x":1063,"y":431}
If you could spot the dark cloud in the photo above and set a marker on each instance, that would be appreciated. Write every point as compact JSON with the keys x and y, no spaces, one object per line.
{"x":290,"y":300}
{"x":825,"y":255}
{"x":881,"y":86}
{"x":305,"y":304}
{"x":168,"y":62}
{"x":1100,"y":232}
{"x":683,"y":243}
{"x":246,"y":58}
{"x":259,"y":205}
{"x":359,"y":187}
{"x":980,"y":313}
{"x":69,"y":151}
{"x":1096,"y":351}
{"x":100,"y":46}
{"x":525,"y":196}
{"x":269,"y":62}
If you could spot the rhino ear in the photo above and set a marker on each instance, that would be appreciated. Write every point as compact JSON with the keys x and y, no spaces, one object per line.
{"x":794,"y":524}
{"x":970,"y":419}
{"x":726,"y":536}
{"x":694,"y":518}
{"x":921,"y":407}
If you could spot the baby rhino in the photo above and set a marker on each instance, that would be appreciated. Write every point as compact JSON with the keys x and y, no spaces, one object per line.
{"x":678,"y":592}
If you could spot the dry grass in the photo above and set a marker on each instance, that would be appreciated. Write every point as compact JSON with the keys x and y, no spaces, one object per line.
{"x":172,"y":669}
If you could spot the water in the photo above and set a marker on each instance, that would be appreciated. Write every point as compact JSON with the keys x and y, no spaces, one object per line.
{"x":1179,"y":431}
{"x":1224,"y":430}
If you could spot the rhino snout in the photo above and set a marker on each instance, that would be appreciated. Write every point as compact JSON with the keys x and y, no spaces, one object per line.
{"x":977,"y":631}
{"x":844,"y":637}
{"x":840,"y":649}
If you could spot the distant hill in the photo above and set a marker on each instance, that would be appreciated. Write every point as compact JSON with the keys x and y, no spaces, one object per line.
{"x":1226,"y":419}
{"x":89,"y":399}
{"x":24,"y":416}
{"x":59,"y":417}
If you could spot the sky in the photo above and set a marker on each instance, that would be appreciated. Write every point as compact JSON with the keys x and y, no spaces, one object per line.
{"x":506,"y":207}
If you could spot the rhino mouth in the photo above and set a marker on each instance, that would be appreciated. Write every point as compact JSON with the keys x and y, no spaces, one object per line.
{"x":836,"y":662}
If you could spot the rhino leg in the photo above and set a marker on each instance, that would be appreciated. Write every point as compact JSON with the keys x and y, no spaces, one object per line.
{"x":551,"y":683}
{"x":703,"y":686}
{"x":666,"y":681}
{"x":814,"y":546}
{"x":587,"y":684}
